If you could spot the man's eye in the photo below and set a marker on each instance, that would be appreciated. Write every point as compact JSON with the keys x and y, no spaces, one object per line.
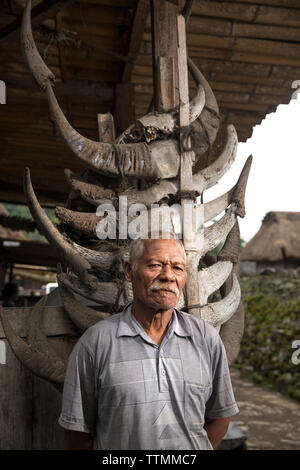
{"x":178,"y":268}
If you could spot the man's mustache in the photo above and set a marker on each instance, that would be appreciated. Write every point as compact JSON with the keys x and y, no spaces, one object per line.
{"x":163,"y":286}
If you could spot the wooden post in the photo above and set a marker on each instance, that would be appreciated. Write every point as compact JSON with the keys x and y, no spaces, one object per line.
{"x":164,"y":54}
{"x":106,"y":128}
{"x":171,"y":87}
{"x":124,"y":106}
{"x":189,"y":228}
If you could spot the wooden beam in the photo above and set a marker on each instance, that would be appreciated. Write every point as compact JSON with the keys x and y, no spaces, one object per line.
{"x":137,"y":31}
{"x":84,"y":90}
{"x":186,"y":178}
{"x":164,"y":52}
{"x":10,"y":192}
{"x":124,"y":106}
{"x":39,"y":13}
{"x":106,"y":128}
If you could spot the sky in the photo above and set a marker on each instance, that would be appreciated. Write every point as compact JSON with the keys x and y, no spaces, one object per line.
{"x":274,"y":179}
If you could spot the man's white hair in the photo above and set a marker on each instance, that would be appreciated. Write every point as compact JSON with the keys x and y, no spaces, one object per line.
{"x":137,"y":246}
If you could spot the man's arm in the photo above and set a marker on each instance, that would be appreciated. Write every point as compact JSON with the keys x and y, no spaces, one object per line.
{"x":216,"y":430}
{"x":76,"y":440}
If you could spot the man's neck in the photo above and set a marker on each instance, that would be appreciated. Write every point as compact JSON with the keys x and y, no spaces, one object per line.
{"x":155,"y":323}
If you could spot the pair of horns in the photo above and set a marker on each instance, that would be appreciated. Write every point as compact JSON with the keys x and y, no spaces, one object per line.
{"x":158,"y":160}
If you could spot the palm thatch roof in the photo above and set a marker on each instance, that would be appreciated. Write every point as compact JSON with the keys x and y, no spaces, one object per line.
{"x":278,"y":238}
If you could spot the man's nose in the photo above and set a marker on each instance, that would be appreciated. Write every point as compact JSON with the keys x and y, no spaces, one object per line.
{"x":167,"y":273}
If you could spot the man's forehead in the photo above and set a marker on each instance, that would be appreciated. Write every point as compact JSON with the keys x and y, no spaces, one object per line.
{"x":167,"y":247}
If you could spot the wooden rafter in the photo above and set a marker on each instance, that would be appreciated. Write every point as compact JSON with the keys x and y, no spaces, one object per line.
{"x":103,"y":92}
{"x":40,"y":13}
{"x":137,"y":31}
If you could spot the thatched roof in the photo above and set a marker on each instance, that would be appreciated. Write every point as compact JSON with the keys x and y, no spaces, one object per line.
{"x":277,"y":239}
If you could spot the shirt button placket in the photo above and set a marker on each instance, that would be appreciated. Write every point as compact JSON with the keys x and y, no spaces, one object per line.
{"x":163,"y":383}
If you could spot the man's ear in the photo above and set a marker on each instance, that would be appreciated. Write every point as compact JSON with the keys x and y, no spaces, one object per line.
{"x":127,"y":270}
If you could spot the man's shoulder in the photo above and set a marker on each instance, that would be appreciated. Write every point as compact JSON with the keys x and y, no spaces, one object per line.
{"x":198,"y":326}
{"x":103,"y":329}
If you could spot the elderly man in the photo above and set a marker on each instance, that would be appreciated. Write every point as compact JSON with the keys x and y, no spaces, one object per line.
{"x":150,"y":377}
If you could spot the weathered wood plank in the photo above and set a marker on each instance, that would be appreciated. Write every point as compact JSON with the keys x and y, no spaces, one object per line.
{"x":248,"y":79}
{"x":164,"y":50}
{"x":114,"y":3}
{"x":279,"y":3}
{"x":186,"y":177}
{"x":259,"y":107}
{"x":234,"y":84}
{"x":124,"y":106}
{"x":269,"y":99}
{"x":221,"y":42}
{"x":238,"y":55}
{"x":15,"y":404}
{"x":56,"y":321}
{"x":271,"y":48}
{"x":285,"y":72}
{"x":39,"y":13}
{"x":265,"y":31}
{"x":232,"y":10}
{"x":137,"y":30}
{"x":47,"y":434}
{"x":82,"y":90}
{"x":211,"y":26}
{"x":286,"y":16}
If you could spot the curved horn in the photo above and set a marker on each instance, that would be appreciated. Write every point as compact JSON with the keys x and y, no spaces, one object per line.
{"x":217,"y":313}
{"x":235,"y":194}
{"x":209,"y":117}
{"x":41,"y":364}
{"x":161,"y":190}
{"x":102,"y":260}
{"x":159,"y":160}
{"x":218,"y":205}
{"x":74,"y":261}
{"x":231,"y":249}
{"x":36,"y":336}
{"x":96,"y":194}
{"x":84,"y":222}
{"x":212,"y":278}
{"x":81,"y":315}
{"x":35,"y":64}
{"x":93,"y":193}
{"x":210,"y":175}
{"x":239,"y":193}
{"x":160,"y":125}
{"x":106,"y":293}
{"x":217,"y":232}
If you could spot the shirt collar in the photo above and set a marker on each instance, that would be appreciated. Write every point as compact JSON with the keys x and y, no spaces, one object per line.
{"x":127,"y":327}
{"x":182,"y":326}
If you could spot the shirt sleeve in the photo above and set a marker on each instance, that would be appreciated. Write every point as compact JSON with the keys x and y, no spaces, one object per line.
{"x":79,"y":399}
{"x":221,"y":403}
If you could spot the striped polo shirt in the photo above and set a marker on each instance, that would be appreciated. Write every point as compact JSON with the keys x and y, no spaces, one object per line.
{"x":130,"y":393}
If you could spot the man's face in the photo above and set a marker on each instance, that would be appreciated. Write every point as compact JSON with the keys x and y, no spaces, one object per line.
{"x":160,"y":275}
